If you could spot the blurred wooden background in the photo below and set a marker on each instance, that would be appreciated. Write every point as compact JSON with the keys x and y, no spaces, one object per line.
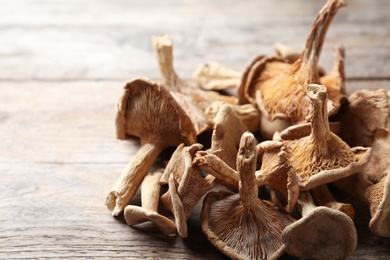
{"x":63,"y":65}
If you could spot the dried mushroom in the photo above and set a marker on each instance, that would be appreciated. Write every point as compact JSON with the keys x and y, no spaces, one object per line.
{"x":248,"y":113}
{"x":186,"y":185}
{"x":278,"y":87}
{"x":366,"y":112}
{"x":150,"y":196}
{"x":146,"y":112}
{"x":191,"y":98}
{"x":322,"y":157}
{"x":241,"y":225}
{"x":321,"y":233}
{"x":213,"y":76}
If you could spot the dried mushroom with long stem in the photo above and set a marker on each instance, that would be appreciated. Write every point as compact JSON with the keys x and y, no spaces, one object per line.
{"x":322,"y":156}
{"x":242,"y":226}
{"x":146,"y":112}
{"x":186,"y":185}
{"x":321,"y":233}
{"x":278,"y":87}
{"x":192,"y":99}
{"x":150,"y":196}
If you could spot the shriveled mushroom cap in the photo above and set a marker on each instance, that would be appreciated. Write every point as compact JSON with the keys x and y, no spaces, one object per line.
{"x":149,"y":112}
{"x":380,"y":207}
{"x":241,"y":225}
{"x":228,"y":129}
{"x":324,"y":233}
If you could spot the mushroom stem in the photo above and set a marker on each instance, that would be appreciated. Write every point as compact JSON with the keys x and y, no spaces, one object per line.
{"x":246,"y":165}
{"x":150,"y":194}
{"x":150,"y":191}
{"x":130,"y":179}
{"x":305,"y":203}
{"x":162,"y":45}
{"x":315,"y":40}
{"x":320,"y":124}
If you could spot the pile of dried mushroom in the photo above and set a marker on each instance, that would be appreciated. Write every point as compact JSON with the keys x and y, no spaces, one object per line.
{"x":290,"y":132}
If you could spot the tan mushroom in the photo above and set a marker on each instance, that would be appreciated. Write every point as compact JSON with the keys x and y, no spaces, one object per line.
{"x":321,"y":233}
{"x":146,"y":112}
{"x":278,"y":87}
{"x":186,"y":185}
{"x":191,"y":98}
{"x":150,"y":196}
{"x":248,"y":113}
{"x":322,"y":157}
{"x":241,"y":225}
{"x":213,"y":76}
{"x":367,"y":111}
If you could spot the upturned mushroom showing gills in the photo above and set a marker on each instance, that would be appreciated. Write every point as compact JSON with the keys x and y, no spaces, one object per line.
{"x":278,"y":87}
{"x":191,"y":98}
{"x":322,"y":156}
{"x":150,"y":196}
{"x":322,"y":233}
{"x":241,"y":225}
{"x":146,"y":112}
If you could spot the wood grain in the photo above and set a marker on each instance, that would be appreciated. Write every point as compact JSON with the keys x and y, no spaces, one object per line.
{"x":63,"y":65}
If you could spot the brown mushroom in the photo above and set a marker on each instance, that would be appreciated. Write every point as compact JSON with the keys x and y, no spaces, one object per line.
{"x":191,"y":98}
{"x":186,"y":185}
{"x":213,"y":76}
{"x":321,"y":233}
{"x":366,"y":112}
{"x":322,"y":157}
{"x":278,"y":87}
{"x":241,"y":225}
{"x":149,"y":113}
{"x":248,"y":113}
{"x":150,"y":196}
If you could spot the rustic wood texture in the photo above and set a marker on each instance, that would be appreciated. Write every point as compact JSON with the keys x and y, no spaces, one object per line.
{"x":63,"y":65}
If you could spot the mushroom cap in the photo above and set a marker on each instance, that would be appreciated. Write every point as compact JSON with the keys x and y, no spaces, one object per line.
{"x":380,"y":211}
{"x":324,"y":233}
{"x":239,"y":232}
{"x":149,"y":112}
{"x":228,"y":129}
{"x":135,"y":215}
{"x":366,"y":112}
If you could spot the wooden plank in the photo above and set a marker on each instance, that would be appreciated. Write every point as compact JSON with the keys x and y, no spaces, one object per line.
{"x":59,"y":158}
{"x":49,"y":40}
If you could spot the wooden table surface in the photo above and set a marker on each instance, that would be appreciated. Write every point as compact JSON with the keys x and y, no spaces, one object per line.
{"x":63,"y":65}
